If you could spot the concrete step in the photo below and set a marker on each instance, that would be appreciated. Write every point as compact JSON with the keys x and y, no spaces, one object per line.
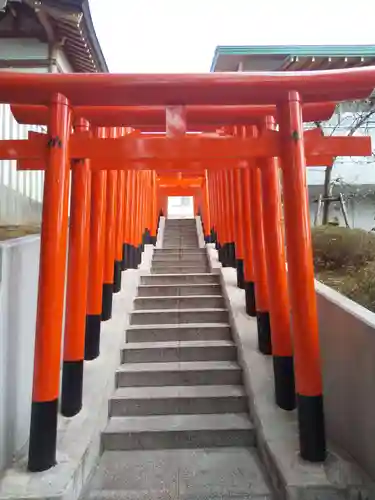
{"x":180,"y":238}
{"x":178,"y":431}
{"x":199,"y":269}
{"x":180,"y":229}
{"x":182,"y":251}
{"x":180,"y":279}
{"x":179,"y":302}
{"x":178,"y":290}
{"x":180,"y":474}
{"x":165,"y":352}
{"x":184,"y":235}
{"x":178,"y":373}
{"x":181,"y":223}
{"x":172,"y":400}
{"x":181,"y":259}
{"x":177,"y":316}
{"x":170,"y":333}
{"x":182,"y":247}
{"x":167,"y":241}
{"x":178,"y":263}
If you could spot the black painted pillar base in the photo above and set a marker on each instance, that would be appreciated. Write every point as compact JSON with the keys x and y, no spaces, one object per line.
{"x":107,"y":301}
{"x":311,"y":428}
{"x":132,"y":257}
{"x":139,"y":255}
{"x":207,"y":238}
{"x":43,"y":434}
{"x":219,"y":249}
{"x":213,"y":235}
{"x":135,"y":257}
{"x":92,"y":336}
{"x":240,"y":274}
{"x":285,"y":394}
{"x":146,"y":237}
{"x":224,"y":255}
{"x":152,"y":240}
{"x":129,"y":256}
{"x":264,"y":332}
{"x":71,"y":388}
{"x":232,"y":254}
{"x":251,"y":309}
{"x":124,"y":257}
{"x":117,"y":276}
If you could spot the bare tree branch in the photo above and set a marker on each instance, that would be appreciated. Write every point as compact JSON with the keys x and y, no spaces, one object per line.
{"x":360,"y":119}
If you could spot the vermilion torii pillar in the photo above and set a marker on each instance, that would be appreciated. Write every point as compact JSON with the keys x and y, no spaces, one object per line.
{"x":77,"y":284}
{"x":286,"y":90}
{"x":301,"y":282}
{"x":42,"y":446}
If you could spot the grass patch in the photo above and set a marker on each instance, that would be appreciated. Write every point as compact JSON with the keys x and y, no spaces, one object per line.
{"x":344,"y":259}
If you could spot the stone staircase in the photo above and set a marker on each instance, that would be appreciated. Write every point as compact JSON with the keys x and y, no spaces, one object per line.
{"x":178,"y":420}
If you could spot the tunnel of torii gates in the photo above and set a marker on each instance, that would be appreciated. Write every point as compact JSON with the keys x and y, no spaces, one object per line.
{"x":127,"y":141}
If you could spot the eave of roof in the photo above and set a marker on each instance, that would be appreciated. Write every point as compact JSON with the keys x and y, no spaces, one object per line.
{"x":84,"y":47}
{"x":317,"y":51}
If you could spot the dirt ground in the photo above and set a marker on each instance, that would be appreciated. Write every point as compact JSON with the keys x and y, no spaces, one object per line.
{"x":8,"y":232}
{"x":344,"y":259}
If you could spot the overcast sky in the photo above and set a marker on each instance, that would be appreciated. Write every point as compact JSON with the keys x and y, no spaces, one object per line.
{"x":140,"y":36}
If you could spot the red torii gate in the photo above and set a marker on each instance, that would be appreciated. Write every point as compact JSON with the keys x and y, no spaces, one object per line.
{"x":286,"y":90}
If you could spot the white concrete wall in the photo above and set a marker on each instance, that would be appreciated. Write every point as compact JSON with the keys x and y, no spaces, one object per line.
{"x":18,"y":299}
{"x":347,"y":346}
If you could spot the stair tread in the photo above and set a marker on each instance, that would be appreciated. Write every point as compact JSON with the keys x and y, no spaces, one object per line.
{"x":174,"y":391}
{"x":180,"y":366}
{"x":183,"y":274}
{"x":178,"y":297}
{"x":178,"y":423}
{"x":192,"y":297}
{"x":178,"y":344}
{"x":182,"y":285}
{"x":209,"y":473}
{"x":174,"y":310}
{"x":180,"y":326}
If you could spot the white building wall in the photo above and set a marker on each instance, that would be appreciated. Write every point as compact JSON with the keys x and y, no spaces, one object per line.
{"x":349,"y":170}
{"x":14,"y":49}
{"x":21,"y":193}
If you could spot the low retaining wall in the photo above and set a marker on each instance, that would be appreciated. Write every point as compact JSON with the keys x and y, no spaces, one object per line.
{"x":347,"y":339}
{"x":19,"y":267}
